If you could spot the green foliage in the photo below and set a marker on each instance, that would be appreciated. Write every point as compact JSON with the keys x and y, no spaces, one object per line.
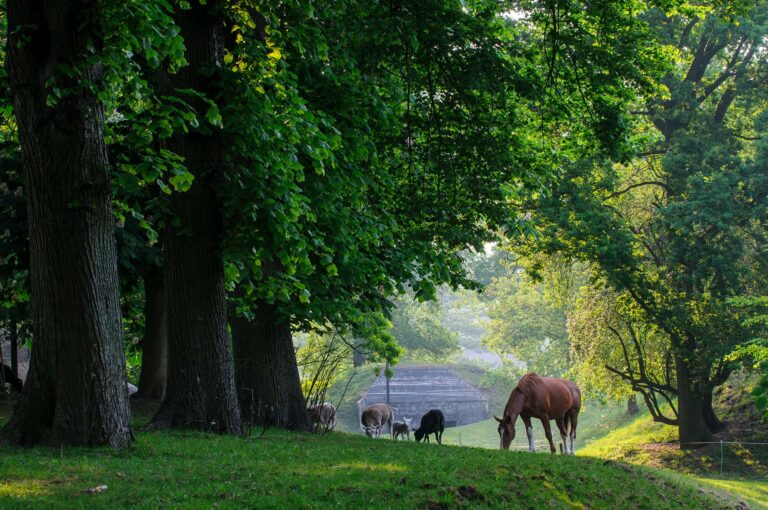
{"x":418,"y":328}
{"x":525,"y":324}
{"x":375,"y":148}
{"x":14,"y":258}
{"x":319,"y":357}
{"x":671,"y":229}
{"x":604,"y":334}
{"x":754,"y":353}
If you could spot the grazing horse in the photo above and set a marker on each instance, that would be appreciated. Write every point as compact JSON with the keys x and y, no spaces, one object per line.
{"x":545,"y":398}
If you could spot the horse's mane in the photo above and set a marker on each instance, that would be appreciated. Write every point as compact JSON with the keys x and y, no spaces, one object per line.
{"x":528,"y":384}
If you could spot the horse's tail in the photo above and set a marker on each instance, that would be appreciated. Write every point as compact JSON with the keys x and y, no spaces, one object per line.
{"x":567,"y":423}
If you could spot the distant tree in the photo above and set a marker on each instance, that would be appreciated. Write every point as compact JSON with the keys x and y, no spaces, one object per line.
{"x":14,"y":246}
{"x":525,"y":324}
{"x":418,"y":327}
{"x":616,"y":355}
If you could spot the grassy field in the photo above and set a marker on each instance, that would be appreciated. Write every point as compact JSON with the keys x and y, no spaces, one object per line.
{"x":744,"y":466}
{"x":644,"y":442}
{"x":286,"y":470}
{"x":617,"y":466}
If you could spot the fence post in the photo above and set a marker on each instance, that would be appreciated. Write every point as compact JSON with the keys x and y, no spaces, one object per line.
{"x":721,"y":457}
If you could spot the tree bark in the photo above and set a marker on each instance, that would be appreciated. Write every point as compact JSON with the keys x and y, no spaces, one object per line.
{"x":690,"y":411}
{"x":201,"y":387}
{"x":267,"y":373}
{"x":154,"y":358}
{"x":75,"y":392}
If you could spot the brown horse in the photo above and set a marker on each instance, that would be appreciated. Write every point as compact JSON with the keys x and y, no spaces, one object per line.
{"x":545,"y":398}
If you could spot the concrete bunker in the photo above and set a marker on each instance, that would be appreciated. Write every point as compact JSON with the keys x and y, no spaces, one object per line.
{"x":415,"y":390}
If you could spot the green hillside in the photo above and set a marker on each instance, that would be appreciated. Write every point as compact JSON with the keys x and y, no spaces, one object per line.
{"x":286,"y":470}
{"x":744,"y":466}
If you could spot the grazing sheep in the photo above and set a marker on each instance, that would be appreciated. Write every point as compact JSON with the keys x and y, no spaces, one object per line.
{"x":431,"y":423}
{"x":324,"y":415}
{"x":403,"y":428}
{"x":374,"y":417}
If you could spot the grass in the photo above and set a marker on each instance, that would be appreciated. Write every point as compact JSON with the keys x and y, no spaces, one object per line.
{"x":754,"y":492}
{"x":622,"y":442}
{"x":285,"y":470}
{"x":744,"y":467}
{"x":643,"y":441}
{"x":288,"y":470}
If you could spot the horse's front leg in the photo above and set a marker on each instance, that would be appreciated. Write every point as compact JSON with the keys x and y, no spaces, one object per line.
{"x":529,"y":433}
{"x":548,"y":433}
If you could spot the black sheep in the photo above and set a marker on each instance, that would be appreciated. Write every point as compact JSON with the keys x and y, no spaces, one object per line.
{"x":431,"y":423}
{"x":7,"y":376}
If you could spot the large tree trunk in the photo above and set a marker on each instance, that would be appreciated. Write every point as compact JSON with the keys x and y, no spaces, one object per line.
{"x":154,"y":358}
{"x":75,"y":391}
{"x":266,"y":370}
{"x":201,"y":387}
{"x":692,"y":427}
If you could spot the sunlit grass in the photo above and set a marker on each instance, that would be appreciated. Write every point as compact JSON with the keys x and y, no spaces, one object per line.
{"x":646,"y":442}
{"x":754,"y":492}
{"x":642,"y":429}
{"x":288,"y":470}
{"x":23,"y":489}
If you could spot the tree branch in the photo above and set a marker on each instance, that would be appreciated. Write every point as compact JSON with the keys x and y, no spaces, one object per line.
{"x":660,"y":184}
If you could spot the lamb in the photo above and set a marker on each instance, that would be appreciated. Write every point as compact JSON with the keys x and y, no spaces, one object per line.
{"x":403,"y":428}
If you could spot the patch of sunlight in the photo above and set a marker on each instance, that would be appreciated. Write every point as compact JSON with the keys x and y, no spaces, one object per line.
{"x":641,"y":430}
{"x":562,"y":496}
{"x":366,"y":466}
{"x":20,"y":489}
{"x":753,"y":491}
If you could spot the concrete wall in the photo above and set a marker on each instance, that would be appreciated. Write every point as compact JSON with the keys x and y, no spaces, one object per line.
{"x":416,"y":390}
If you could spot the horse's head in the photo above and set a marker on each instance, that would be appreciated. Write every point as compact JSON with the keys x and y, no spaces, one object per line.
{"x":506,"y":431}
